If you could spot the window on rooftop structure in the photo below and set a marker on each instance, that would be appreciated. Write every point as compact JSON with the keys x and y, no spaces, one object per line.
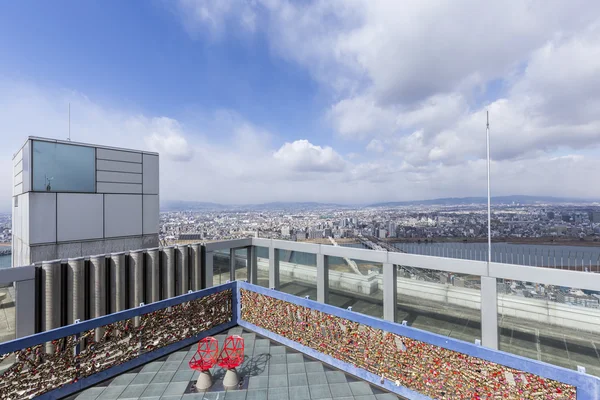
{"x":63,"y":168}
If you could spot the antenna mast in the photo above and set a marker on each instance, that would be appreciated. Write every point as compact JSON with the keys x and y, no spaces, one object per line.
{"x":69,"y":139}
{"x":489,"y":203}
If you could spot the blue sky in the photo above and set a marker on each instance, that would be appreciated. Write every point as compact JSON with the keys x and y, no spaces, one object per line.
{"x":136,"y":54}
{"x":339,"y":101}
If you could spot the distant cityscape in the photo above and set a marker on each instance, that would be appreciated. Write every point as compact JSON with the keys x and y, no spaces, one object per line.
{"x":511,"y":222}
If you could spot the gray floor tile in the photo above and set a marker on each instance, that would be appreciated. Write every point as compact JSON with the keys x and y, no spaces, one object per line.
{"x":111,"y":392}
{"x":163,"y":377}
{"x":294,"y":358}
{"x":278,"y":359}
{"x":153,"y":366}
{"x":143,"y":378}
{"x":366,"y":397}
{"x":297,"y":368}
{"x":193,"y":396}
{"x":170,"y":366}
{"x":176,"y":388}
{"x":132,"y":392}
{"x":262,"y":343}
{"x":183,"y":376}
{"x":277,"y":350}
{"x":335,"y":377}
{"x":258,"y":382}
{"x":260,"y":394}
{"x":316,"y":378}
{"x":154,"y":389}
{"x":177,"y":356}
{"x":298,"y":380}
{"x":91,"y":393}
{"x":299,"y":393}
{"x":235,"y":395}
{"x":345,"y":398}
{"x":123,"y":380}
{"x":319,"y":391}
{"x":386,"y":396}
{"x":313,"y":366}
{"x":340,"y":390}
{"x":178,"y":397}
{"x":278,"y":369}
{"x":278,"y":393}
{"x":278,"y":381}
{"x":213,"y":396}
{"x":360,"y":388}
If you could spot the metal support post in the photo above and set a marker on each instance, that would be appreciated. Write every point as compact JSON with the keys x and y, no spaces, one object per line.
{"x":117,"y":282}
{"x":136,"y":281}
{"x":183,"y":270}
{"x":98,"y":287}
{"x":273,"y":267}
{"x":489,"y":312}
{"x":208,"y":269}
{"x":25,"y":298}
{"x":168,"y":275}
{"x":75,"y":290}
{"x":322,"y":279}
{"x":152,"y":276}
{"x":51,"y":298}
{"x":232,"y":265}
{"x":390,"y":292}
{"x":252,"y":265}
{"x":136,"y":278}
{"x":196,"y":264}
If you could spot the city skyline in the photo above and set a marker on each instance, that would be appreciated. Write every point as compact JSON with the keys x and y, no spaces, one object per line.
{"x":335,"y":103}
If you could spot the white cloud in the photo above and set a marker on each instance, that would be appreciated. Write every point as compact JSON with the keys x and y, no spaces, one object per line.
{"x":303,"y":156}
{"x":166,"y":138}
{"x":376,"y":145}
{"x":212,"y":16}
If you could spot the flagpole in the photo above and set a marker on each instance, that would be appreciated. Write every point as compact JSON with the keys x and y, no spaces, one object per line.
{"x":489,"y":202}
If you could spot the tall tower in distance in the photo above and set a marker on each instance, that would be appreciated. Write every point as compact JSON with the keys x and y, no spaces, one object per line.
{"x":73,"y":199}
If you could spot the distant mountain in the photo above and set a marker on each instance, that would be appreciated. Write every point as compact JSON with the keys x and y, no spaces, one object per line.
{"x":192,"y":206}
{"x":455,"y":201}
{"x":203,"y":206}
{"x":308,"y":205}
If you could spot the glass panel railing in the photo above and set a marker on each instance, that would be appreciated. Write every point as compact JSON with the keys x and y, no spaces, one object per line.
{"x":241,"y":268}
{"x":298,"y":273}
{"x":356,"y":283}
{"x":7,"y":313}
{"x":221,"y":266}
{"x":555,"y":324}
{"x":441,"y":302}
{"x":262,"y":265}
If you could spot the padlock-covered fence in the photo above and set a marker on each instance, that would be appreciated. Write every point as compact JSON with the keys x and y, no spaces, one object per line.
{"x":62,"y":361}
{"x":410,"y":362}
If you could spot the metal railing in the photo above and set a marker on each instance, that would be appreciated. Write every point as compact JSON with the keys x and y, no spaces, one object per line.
{"x":65,"y":360}
{"x":151,"y":275}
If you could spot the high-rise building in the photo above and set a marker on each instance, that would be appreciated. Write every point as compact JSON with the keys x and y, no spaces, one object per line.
{"x":595,"y":217}
{"x":392,"y":229}
{"x":72,"y":199}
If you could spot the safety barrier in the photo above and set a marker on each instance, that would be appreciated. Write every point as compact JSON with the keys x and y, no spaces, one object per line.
{"x":404,"y":360}
{"x":65,"y":360}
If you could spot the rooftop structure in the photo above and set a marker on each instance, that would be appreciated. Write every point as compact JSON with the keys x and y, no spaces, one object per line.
{"x":74,"y":199}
